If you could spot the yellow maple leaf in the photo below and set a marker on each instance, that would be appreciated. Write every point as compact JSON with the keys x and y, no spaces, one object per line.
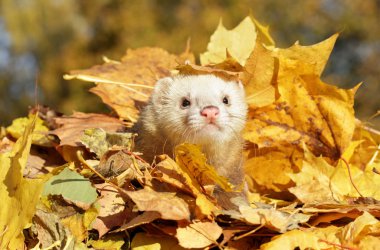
{"x":259,"y":77}
{"x":357,"y":234}
{"x":364,"y":156}
{"x":263,"y":32}
{"x":264,"y":163}
{"x":292,"y":240}
{"x":39,"y":136}
{"x":75,"y":224}
{"x":113,"y":241}
{"x":204,"y":206}
{"x":289,"y":106}
{"x":19,"y":195}
{"x":239,"y":42}
{"x":309,"y":111}
{"x":306,"y":60}
{"x":318,"y":181}
{"x":191,"y":157}
{"x":313,"y":181}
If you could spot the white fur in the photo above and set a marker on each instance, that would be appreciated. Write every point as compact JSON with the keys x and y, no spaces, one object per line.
{"x":188,"y":125}
{"x":164,"y":123}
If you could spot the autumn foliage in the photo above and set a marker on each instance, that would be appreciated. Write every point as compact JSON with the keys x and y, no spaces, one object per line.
{"x":312,"y":169}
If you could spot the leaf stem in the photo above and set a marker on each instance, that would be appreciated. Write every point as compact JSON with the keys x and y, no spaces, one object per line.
{"x":249,"y":232}
{"x":338,"y":245}
{"x":349,"y":173}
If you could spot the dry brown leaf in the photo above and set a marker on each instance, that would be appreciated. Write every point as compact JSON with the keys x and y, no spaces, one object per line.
{"x":171,"y":174}
{"x":50,"y":229}
{"x":72,"y":127}
{"x":112,"y":210}
{"x":167,"y":204}
{"x":40,"y":159}
{"x":5,"y":145}
{"x":126,"y":84}
{"x":274,"y":219}
{"x":144,"y":218}
{"x":198,"y":234}
{"x":204,"y":206}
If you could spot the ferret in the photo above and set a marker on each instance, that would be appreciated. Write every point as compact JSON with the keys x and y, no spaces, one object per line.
{"x":199,"y":109}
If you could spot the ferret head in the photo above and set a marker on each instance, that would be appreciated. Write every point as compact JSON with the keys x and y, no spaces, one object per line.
{"x":200,"y":109}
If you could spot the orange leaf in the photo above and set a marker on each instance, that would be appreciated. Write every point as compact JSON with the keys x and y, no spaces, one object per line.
{"x":125,"y":84}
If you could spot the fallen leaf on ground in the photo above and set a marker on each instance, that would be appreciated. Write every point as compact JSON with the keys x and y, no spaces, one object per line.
{"x":318,"y":181}
{"x":71,"y":127}
{"x":113,"y":211}
{"x":198,"y":234}
{"x":272,"y":218}
{"x":143,"y":241}
{"x":167,"y":204}
{"x":40,"y":133}
{"x":190,"y":156}
{"x":99,"y":141}
{"x":73,"y":187}
{"x":19,"y":195}
{"x":204,"y":205}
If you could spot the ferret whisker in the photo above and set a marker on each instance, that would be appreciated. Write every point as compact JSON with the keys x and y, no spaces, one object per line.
{"x":238,"y":117}
{"x":234,"y":132}
{"x":184,"y":135}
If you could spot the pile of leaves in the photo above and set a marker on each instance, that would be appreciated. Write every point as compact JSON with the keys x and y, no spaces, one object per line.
{"x":312,"y":169}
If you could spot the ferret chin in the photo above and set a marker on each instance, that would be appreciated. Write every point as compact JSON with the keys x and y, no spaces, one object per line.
{"x":199,"y":109}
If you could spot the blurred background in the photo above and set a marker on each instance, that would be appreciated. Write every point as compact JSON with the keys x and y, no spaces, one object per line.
{"x":40,"y":40}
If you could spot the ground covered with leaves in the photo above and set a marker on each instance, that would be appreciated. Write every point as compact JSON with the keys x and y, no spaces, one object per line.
{"x":312,"y":169}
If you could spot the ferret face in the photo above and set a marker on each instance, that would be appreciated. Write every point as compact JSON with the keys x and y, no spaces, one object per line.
{"x":199,"y":109}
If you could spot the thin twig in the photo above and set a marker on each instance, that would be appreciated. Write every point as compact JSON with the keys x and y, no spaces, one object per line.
{"x":248,"y":233}
{"x":338,"y":245}
{"x":374,"y":156}
{"x":83,"y":161}
{"x":349,"y":173}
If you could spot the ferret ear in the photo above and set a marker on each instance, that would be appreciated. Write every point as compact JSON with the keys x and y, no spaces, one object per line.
{"x":240,"y":84}
{"x":161,"y":86}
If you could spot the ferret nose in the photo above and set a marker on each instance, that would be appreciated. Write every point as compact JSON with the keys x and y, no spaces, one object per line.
{"x":211,"y":113}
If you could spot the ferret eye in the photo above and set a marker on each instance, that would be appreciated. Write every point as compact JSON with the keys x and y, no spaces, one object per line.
{"x":226,"y":100}
{"x":185,"y":103}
